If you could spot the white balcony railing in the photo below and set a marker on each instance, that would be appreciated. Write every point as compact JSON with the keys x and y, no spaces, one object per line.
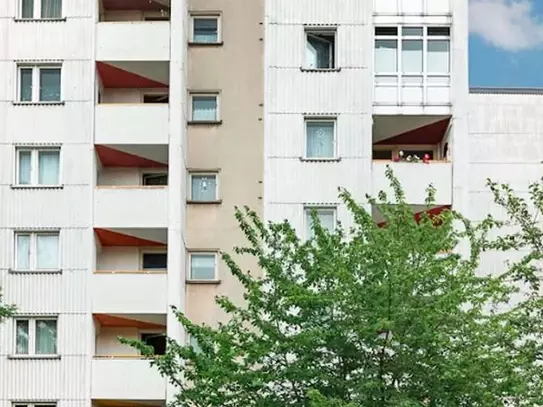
{"x":133,"y":41}
{"x":131,"y":124}
{"x":130,"y":207}
{"x":415,"y":178}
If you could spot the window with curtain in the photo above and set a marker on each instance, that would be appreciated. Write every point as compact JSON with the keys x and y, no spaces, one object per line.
{"x":51,"y":8}
{"x":39,"y":83}
{"x":203,"y":188}
{"x":48,"y":167}
{"x":49,"y":84}
{"x":326,"y":217}
{"x":22,"y":337}
{"x":27,"y":8}
{"x":320,"y":137}
{"x":25,"y":166}
{"x":320,"y":48}
{"x":204,"y":108}
{"x":37,"y":251}
{"x":38,"y":167}
{"x":202,"y":266}
{"x":36,"y":336}
{"x":205,"y":30}
{"x":46,"y":337}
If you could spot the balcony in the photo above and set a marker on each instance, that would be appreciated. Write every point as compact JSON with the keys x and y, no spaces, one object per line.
{"x":415,"y":178}
{"x":118,"y":123}
{"x":133,"y":41}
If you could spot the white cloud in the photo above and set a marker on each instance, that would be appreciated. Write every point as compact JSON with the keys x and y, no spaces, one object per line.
{"x":507,"y":24}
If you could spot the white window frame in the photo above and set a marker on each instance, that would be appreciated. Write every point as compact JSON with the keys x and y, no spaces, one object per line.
{"x":335,"y":141}
{"x":205,"y":174}
{"x":333,"y":55}
{"x":204,"y":94}
{"x":35,"y":166}
{"x":307,"y":221}
{"x":36,"y":83}
{"x":153,"y":251}
{"x":207,"y":16}
{"x":32,"y":338}
{"x":36,"y":15}
{"x":215,"y":265}
{"x":33,"y":248}
{"x":32,"y":404}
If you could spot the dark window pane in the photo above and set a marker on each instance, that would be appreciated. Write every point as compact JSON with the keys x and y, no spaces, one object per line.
{"x":157,"y":341}
{"x":27,"y":9}
{"x":439,"y":31}
{"x":155,"y":99}
{"x":155,"y":179}
{"x":51,"y":8}
{"x":50,"y":84}
{"x":155,"y":261}
{"x":386,"y":31}
{"x":382,"y":154}
{"x":26,"y":85}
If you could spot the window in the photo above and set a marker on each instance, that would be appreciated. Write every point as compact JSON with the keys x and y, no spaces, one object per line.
{"x":194,"y":344}
{"x":34,"y":404}
{"x":36,"y":336}
{"x":412,"y":50}
{"x":37,"y":251}
{"x":320,"y":49}
{"x":39,"y":84}
{"x":205,"y":29}
{"x":203,"y":187}
{"x":154,"y":261}
{"x":37,"y":167}
{"x":205,"y":108}
{"x":382,"y":154}
{"x":203,"y":266}
{"x":320,"y":138}
{"x":41,"y":9}
{"x":154,"y":179}
{"x":326,"y":216}
{"x":156,"y":98}
{"x":156,"y":340}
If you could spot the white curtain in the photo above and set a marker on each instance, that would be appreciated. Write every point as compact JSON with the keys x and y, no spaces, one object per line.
{"x":23,"y":252}
{"x":51,"y":8}
{"x":438,"y":56}
{"x":203,"y":188}
{"x":22,"y":337}
{"x":27,"y":9}
{"x":320,"y":140}
{"x":46,"y":337}
{"x":205,"y":30}
{"x":26,"y":85}
{"x":50,"y":84}
{"x":412,"y":56}
{"x":202,"y":267}
{"x":204,"y":108}
{"x":49,"y":162}
{"x":25,"y":159}
{"x":386,"y":56}
{"x":47,"y":252}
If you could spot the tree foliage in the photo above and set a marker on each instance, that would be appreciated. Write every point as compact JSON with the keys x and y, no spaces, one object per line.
{"x":366,"y":316}
{"x":5,"y":310}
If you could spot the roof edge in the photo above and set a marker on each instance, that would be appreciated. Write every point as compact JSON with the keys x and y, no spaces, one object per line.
{"x":507,"y":91}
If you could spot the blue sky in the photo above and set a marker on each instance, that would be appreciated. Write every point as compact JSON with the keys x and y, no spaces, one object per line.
{"x":506,"y":43}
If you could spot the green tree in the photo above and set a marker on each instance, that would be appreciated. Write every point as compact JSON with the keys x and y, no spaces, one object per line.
{"x":367,"y":316}
{"x":5,"y":310}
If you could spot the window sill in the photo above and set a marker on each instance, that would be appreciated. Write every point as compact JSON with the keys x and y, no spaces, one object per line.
{"x":39,"y":20}
{"x":320,"y":69}
{"x":205,"y":44}
{"x":17,"y":186}
{"x":204,"y":122}
{"x":34,"y":357}
{"x":320,"y":160}
{"x":16,"y":271}
{"x":192,"y":202}
{"x":38,"y":103}
{"x":203,"y":282}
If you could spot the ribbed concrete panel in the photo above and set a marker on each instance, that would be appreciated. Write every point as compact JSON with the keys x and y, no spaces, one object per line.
{"x":288,"y":141}
{"x":318,"y":11}
{"x":31,"y":208}
{"x":43,"y":379}
{"x":518,"y":175}
{"x":318,"y":92}
{"x":316,"y":182}
{"x":32,"y":41}
{"x":79,"y":8}
{"x":482,"y":203}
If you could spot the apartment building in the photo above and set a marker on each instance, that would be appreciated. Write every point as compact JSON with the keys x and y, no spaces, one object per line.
{"x":129,"y":130}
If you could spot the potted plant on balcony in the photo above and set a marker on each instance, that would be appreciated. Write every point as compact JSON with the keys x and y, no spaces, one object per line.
{"x":412,"y":158}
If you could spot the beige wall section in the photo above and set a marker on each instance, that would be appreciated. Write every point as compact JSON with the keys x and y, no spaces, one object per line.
{"x":236,"y":146}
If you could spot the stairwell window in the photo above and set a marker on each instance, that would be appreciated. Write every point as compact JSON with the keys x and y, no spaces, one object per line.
{"x":36,"y":336}
{"x":205,"y":107}
{"x":320,"y":139}
{"x":39,"y":83}
{"x":37,"y":251}
{"x":205,"y":29}
{"x":320,"y":49}
{"x":203,"y":266}
{"x":38,"y":167}
{"x":203,"y":187}
{"x":41,"y":9}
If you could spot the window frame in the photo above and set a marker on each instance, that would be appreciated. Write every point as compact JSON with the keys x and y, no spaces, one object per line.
{"x":205,"y":174}
{"x":208,"y":16}
{"x":36,"y":14}
{"x":36,"y":83}
{"x":307,"y":221}
{"x":145,"y":251}
{"x":151,"y":174}
{"x":32,"y":404}
{"x":215,"y":266}
{"x":330,"y":30}
{"x":35,"y":166}
{"x":205,"y":94}
{"x":32,"y":321}
{"x":33,"y":250}
{"x":310,"y":119}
